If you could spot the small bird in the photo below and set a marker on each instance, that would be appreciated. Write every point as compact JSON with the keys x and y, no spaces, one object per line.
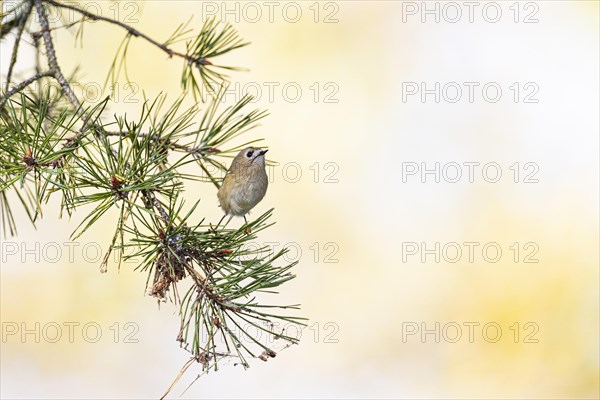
{"x":245,"y":183}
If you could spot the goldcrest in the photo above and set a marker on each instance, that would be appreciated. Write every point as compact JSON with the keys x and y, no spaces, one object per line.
{"x":245,"y":183}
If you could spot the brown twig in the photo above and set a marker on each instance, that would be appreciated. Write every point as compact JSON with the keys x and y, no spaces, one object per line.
{"x":13,"y":58}
{"x":9,"y":25}
{"x":19,"y":87}
{"x":52,"y":63}
{"x":132,"y":31}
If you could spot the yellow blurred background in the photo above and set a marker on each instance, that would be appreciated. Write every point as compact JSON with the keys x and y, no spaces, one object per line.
{"x":352,"y":140}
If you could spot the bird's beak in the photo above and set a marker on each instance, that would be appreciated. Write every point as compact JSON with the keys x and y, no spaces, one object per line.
{"x":263,"y":152}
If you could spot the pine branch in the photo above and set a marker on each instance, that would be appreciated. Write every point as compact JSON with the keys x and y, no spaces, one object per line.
{"x":55,"y":69}
{"x":56,"y":143}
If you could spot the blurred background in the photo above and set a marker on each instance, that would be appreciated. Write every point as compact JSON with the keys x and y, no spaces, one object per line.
{"x":417,"y":283}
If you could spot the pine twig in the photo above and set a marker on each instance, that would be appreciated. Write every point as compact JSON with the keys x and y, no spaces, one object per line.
{"x":52,"y":63}
{"x":19,"y":87}
{"x":132,"y":31}
{"x":9,"y":25}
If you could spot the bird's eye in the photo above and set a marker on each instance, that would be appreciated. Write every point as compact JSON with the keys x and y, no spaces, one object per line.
{"x":249,"y":153}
